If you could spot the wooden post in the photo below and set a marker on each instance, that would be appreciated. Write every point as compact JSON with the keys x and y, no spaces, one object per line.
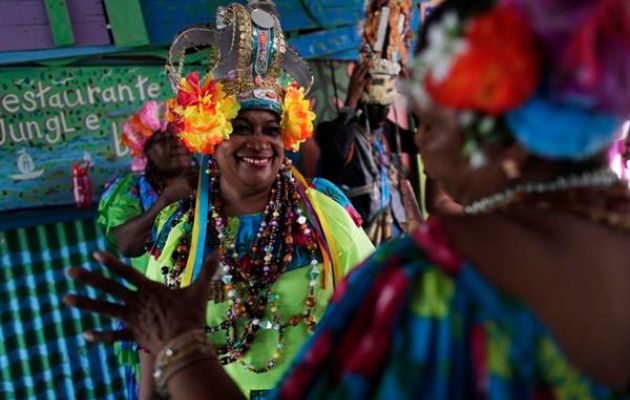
{"x":127,"y":23}
{"x":59,"y":21}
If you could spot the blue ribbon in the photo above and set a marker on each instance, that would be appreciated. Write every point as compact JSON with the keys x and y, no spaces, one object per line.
{"x":383,"y":173}
{"x":203,"y":194}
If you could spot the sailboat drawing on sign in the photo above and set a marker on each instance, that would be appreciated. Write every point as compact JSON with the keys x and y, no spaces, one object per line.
{"x":26,"y":166}
{"x":87,"y":158}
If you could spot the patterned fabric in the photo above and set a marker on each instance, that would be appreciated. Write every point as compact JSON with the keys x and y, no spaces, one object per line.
{"x":414,"y":322}
{"x":42,"y":352}
{"x":332,"y":191}
{"x":352,"y":246}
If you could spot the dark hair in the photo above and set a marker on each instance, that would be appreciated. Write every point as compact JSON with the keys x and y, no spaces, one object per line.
{"x":152,"y":172}
{"x":168,"y":131}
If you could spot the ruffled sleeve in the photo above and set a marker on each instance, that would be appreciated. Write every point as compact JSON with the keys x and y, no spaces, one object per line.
{"x":119,"y":203}
{"x":331,"y":190}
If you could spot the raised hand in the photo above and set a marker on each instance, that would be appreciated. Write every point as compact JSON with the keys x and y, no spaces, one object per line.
{"x":180,"y":188}
{"x":358,"y":82}
{"x":153,"y":314}
{"x":412,"y":208}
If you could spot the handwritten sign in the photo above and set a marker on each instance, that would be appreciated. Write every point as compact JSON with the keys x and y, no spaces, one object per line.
{"x":51,"y":118}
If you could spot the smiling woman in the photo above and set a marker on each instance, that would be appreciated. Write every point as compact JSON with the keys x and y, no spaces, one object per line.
{"x":283,"y":244}
{"x":251,"y":158}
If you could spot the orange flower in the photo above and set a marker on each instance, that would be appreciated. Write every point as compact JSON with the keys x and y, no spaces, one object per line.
{"x":499,"y":70}
{"x":202,"y":115}
{"x":297,"y":118}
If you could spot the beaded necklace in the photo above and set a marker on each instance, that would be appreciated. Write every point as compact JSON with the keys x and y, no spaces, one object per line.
{"x":600,"y":178}
{"x":597,"y":196}
{"x":246,"y":280}
{"x":605,"y":206}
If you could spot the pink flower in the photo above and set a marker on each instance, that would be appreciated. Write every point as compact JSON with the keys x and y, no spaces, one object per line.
{"x":150,"y":115}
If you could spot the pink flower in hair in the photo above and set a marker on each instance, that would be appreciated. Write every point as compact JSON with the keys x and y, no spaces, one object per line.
{"x":151,"y":115}
{"x":139,"y":128}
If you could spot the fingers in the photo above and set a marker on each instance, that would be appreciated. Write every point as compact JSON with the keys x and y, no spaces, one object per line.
{"x":208,"y":269}
{"x":102,"y":307}
{"x":119,"y":268}
{"x":410,"y":203}
{"x":363,"y":68}
{"x":360,"y":72}
{"x":404,"y":71}
{"x":100,"y":282}
{"x":108,"y":336}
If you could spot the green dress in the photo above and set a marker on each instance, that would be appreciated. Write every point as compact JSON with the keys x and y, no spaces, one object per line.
{"x":351,"y":246}
{"x":124,"y":198}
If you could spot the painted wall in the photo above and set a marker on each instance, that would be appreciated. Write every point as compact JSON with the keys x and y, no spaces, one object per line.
{"x":318,"y":29}
{"x":51,"y":118}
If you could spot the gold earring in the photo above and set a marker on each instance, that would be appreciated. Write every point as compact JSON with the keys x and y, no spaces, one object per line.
{"x":511,"y":169}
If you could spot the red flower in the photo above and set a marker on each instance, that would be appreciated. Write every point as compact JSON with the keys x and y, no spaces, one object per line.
{"x":190,"y":93}
{"x":499,"y":71}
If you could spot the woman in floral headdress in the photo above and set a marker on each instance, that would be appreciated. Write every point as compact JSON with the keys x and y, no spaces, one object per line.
{"x":525,"y":296}
{"x":130,"y":203}
{"x":283,"y":243}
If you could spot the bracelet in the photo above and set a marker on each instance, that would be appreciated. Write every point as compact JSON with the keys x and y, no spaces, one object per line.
{"x":179,"y":353}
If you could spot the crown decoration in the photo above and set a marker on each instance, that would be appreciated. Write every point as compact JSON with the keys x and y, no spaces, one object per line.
{"x":504,"y":71}
{"x":252,"y":68}
{"x":386,"y":42}
{"x":139,"y":128}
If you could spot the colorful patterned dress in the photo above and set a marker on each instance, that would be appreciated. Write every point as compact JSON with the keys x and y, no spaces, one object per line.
{"x":350,"y":247}
{"x":415,"y":322}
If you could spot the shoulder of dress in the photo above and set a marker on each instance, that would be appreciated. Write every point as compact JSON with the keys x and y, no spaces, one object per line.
{"x":332,"y":191}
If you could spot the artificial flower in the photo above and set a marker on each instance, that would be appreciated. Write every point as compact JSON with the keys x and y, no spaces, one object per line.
{"x":137,"y":130}
{"x":203,"y":113}
{"x":296,"y":123}
{"x":445,"y":46}
{"x":589,"y":63}
{"x":496,"y":70}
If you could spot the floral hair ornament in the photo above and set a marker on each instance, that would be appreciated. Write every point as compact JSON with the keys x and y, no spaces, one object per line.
{"x":202,"y":113}
{"x":586,"y":94}
{"x":253,"y":69}
{"x":507,"y":72}
{"x":297,"y":119}
{"x":139,"y":128}
{"x":482,"y":69}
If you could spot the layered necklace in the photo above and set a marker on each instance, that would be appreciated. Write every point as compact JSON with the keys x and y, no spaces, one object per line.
{"x":596,"y":195}
{"x":247,"y":279}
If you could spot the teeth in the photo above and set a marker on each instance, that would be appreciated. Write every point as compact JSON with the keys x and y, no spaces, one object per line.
{"x":256,"y":161}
